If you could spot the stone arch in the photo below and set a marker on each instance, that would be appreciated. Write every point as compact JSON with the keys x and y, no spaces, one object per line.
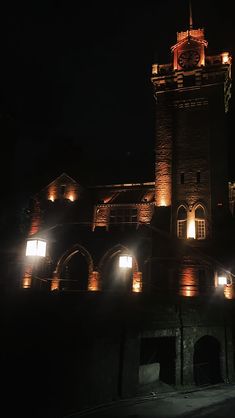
{"x":65,"y":259}
{"x":69,"y":254}
{"x":207,"y":361}
{"x":117,"y":249}
{"x":202,"y":205}
{"x":108,"y":266}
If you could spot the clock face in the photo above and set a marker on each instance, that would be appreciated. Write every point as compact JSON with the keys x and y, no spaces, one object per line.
{"x":189,"y":59}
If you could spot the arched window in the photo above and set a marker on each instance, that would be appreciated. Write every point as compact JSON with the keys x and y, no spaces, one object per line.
{"x":200,"y":223}
{"x":182,"y":222}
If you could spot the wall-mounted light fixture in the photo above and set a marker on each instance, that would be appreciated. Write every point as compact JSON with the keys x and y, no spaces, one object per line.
{"x":125,"y":261}
{"x":36,"y":248}
{"x":222,"y":280}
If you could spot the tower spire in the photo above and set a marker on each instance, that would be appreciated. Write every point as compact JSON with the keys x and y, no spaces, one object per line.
{"x":190,"y":15}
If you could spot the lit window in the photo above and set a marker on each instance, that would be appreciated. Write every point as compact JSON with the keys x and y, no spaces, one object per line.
{"x":182,"y":223}
{"x":200,"y":223}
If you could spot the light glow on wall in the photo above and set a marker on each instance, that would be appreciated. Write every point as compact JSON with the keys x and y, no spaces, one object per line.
{"x":163,"y":178}
{"x":125,"y":261}
{"x":137,"y":282}
{"x":188,"y":281}
{"x":36,"y":248}
{"x":155,"y":69}
{"x":52,"y":193}
{"x":163,"y":196}
{"x":191,"y":229}
{"x":229,"y":292}
{"x":27,"y":278}
{"x":162,"y":202}
{"x":94,"y":283}
{"x":225,"y":58}
{"x":188,"y":291}
{"x":27,"y":283}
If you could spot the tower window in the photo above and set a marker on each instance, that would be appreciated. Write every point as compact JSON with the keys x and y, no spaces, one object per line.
{"x":198,"y":177}
{"x":200,"y":223}
{"x":181,"y":178}
{"x":182,"y":223}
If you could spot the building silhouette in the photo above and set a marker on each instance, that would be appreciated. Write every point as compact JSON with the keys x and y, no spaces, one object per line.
{"x":137,"y":283}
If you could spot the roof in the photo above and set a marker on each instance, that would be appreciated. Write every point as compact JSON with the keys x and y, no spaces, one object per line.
{"x":125,"y":193}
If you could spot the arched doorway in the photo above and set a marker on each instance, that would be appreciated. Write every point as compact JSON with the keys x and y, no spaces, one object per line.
{"x":115,"y":278}
{"x":206,"y":361}
{"x":74,"y":273}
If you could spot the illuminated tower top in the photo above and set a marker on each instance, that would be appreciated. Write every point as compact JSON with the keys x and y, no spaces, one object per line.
{"x":191,"y":67}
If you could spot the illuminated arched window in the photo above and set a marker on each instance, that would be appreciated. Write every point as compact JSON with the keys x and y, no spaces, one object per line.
{"x":200,"y":223}
{"x":182,"y":222}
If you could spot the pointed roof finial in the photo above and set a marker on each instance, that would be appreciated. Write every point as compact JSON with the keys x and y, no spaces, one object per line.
{"x":190,"y":15}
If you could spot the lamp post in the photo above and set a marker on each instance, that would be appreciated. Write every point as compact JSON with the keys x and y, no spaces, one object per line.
{"x":222,"y":282}
{"x":125,"y":265}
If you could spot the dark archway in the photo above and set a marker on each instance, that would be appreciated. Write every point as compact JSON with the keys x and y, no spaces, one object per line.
{"x":74,"y":268}
{"x":206,"y":361}
{"x":115,"y":278}
{"x":160,"y":350}
{"x":74,"y":273}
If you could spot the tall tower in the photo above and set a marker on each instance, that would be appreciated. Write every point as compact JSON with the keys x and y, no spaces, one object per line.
{"x":192,"y":95}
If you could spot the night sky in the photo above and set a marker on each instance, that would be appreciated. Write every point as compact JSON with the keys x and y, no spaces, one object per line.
{"x":75,"y":87}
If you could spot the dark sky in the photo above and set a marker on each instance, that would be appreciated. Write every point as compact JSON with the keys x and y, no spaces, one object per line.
{"x":75,"y":88}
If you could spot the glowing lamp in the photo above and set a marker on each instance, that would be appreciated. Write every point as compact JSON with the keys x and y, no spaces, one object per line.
{"x":125,"y":261}
{"x":51,"y":198}
{"x":222,"y":280}
{"x":71,"y":197}
{"x":36,"y":248}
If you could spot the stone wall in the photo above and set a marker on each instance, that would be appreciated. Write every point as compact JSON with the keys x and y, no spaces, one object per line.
{"x":83,"y":350}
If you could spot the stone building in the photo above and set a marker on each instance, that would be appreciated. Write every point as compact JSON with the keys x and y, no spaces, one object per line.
{"x":148,"y":265}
